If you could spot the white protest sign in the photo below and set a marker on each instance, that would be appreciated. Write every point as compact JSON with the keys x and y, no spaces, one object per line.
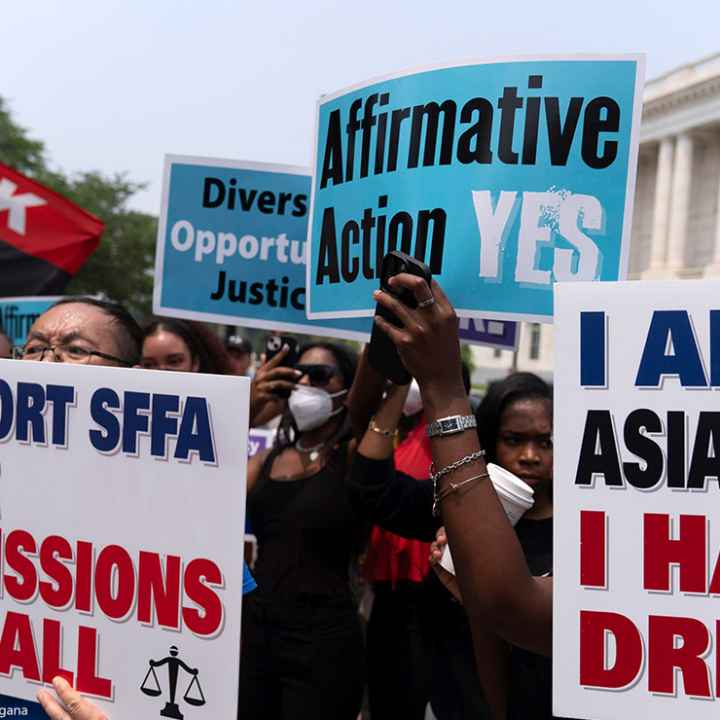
{"x":637,"y":467}
{"x":122,"y":508}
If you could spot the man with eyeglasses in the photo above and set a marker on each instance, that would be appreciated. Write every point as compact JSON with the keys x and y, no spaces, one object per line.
{"x":84,"y":331}
{"x":90,"y":332}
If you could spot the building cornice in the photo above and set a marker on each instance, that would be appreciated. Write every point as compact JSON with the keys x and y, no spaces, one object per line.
{"x":688,"y":95}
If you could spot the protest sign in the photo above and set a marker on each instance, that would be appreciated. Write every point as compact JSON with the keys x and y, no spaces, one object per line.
{"x":122,"y":492}
{"x":231,"y":246}
{"x":231,"y":249}
{"x":493,"y":333}
{"x":259,"y":440}
{"x":503,"y":177}
{"x":17,"y":314}
{"x":636,"y":548}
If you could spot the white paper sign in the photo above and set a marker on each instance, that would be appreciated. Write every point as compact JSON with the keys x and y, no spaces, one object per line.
{"x":637,"y":470}
{"x":121,"y":536}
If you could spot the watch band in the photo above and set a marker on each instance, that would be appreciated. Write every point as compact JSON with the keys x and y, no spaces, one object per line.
{"x":451,"y":425}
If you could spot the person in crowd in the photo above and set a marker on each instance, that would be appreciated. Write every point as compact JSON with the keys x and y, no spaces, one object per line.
{"x":515,"y":422}
{"x":171,"y":344}
{"x":240,"y":354}
{"x":302,"y":646}
{"x":87,"y":331}
{"x":5,"y":346}
{"x":396,"y":567}
{"x":410,"y":633}
{"x":504,"y":600}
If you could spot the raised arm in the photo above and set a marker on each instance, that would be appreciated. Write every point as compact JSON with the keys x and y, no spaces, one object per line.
{"x":496,"y":585}
{"x":364,"y":395}
{"x":391,"y":499}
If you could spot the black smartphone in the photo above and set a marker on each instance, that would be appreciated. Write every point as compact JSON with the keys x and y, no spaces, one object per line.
{"x":273,"y":345}
{"x":382,"y":353}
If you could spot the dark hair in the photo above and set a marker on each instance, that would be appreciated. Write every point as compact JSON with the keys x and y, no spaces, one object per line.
{"x":346,"y":361}
{"x":202,"y":344}
{"x":129,"y":339}
{"x":500,"y":395}
{"x":345,"y":358}
{"x":239,"y":344}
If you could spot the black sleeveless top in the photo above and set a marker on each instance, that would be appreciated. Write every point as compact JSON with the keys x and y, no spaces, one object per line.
{"x":307,"y":530}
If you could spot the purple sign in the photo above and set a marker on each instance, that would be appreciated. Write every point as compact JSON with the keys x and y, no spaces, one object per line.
{"x":495,"y":333}
{"x":259,"y":440}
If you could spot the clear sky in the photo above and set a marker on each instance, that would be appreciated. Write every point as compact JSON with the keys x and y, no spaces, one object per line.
{"x":113,"y":85}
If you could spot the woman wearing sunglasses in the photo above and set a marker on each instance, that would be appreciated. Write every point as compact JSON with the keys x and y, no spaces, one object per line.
{"x":302,"y":649}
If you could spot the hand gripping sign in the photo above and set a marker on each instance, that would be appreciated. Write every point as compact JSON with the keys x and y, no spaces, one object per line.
{"x":503,"y":177}
{"x":637,"y":473}
{"x":122,"y":494}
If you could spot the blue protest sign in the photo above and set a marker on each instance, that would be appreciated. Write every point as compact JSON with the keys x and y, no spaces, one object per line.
{"x":17,"y":314}
{"x":231,"y":246}
{"x":495,"y":333}
{"x":503,"y":177}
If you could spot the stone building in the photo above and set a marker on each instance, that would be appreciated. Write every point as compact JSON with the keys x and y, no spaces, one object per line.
{"x":676,"y":217}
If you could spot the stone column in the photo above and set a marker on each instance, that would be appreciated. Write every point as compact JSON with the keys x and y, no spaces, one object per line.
{"x":714,"y":267}
{"x":661,"y":209}
{"x":680,"y":204}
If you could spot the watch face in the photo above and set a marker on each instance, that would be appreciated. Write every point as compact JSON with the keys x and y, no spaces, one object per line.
{"x":447,"y":425}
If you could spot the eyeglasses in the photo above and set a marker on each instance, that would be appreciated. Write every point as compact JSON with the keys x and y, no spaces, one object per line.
{"x":64,"y":353}
{"x":319,"y":375}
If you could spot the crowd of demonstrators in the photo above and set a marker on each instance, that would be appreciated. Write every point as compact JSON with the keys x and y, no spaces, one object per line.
{"x":332,"y":472}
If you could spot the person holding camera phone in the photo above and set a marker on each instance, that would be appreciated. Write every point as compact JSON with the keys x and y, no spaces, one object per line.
{"x":504,"y":601}
{"x":514,"y":423}
{"x":302,"y":647}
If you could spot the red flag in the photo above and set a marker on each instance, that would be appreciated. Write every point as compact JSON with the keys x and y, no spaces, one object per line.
{"x":44,"y":238}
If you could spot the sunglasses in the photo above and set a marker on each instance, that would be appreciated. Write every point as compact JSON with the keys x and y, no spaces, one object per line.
{"x":319,"y":375}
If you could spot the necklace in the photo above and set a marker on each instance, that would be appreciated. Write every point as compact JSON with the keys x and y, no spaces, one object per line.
{"x":313,"y":452}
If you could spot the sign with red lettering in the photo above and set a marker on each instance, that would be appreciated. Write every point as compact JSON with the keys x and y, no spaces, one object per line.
{"x":637,"y":472}
{"x":121,"y":498}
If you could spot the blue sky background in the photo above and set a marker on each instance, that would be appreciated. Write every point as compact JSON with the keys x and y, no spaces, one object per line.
{"x":114,"y":85}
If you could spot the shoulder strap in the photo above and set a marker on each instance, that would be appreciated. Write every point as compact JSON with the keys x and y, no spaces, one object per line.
{"x":266,"y":469}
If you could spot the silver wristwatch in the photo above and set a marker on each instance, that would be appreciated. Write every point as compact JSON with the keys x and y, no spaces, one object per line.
{"x":451,"y":425}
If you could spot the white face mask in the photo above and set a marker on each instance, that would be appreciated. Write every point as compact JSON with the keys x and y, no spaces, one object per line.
{"x":413,"y":401}
{"x":312,"y":407}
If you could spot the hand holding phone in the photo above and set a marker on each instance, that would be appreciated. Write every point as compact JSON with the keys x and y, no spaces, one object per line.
{"x":382,"y":353}
{"x":274,"y":345}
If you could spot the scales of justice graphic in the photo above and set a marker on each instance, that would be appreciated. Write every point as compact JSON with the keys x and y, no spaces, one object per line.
{"x":151,"y":686}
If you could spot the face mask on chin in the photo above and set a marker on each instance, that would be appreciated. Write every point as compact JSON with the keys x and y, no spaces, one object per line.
{"x":312,"y":407}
